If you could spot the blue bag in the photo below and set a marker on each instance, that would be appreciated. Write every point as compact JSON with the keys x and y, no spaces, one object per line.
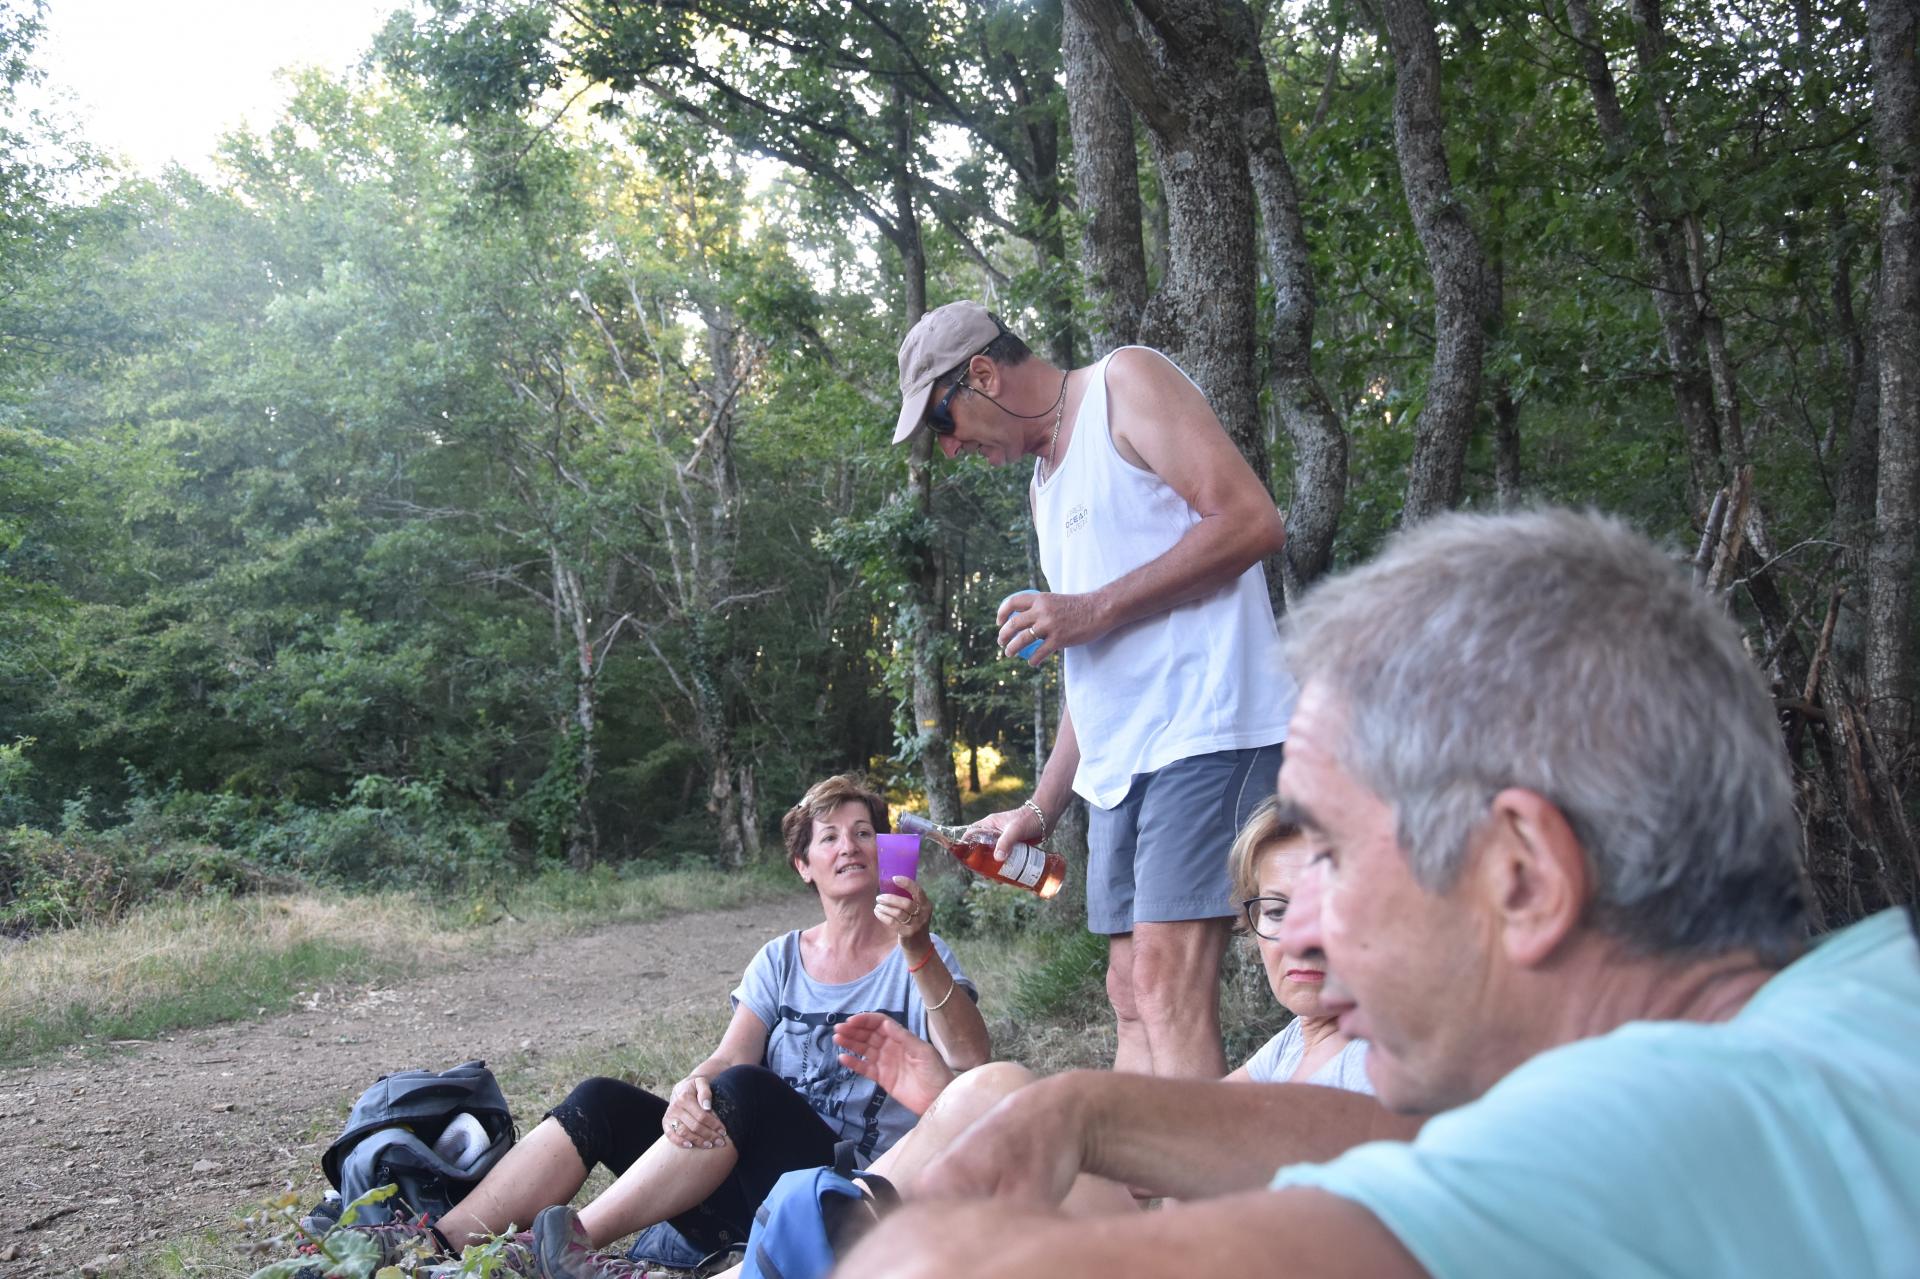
{"x":813,"y":1216}
{"x":661,"y":1245}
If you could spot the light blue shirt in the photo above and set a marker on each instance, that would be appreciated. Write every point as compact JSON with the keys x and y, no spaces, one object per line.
{"x":800,"y":1014}
{"x":1785,"y":1141}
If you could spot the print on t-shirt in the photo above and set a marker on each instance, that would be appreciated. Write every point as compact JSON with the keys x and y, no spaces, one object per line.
{"x":802,"y":1052}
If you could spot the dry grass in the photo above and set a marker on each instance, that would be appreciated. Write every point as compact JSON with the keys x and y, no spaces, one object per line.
{"x":129,"y":961}
{"x":179,"y":964}
{"x":191,"y":963}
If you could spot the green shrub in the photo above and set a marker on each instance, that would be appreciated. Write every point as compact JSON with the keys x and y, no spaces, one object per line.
{"x":1248,"y":1014}
{"x":1073,"y":975}
{"x":51,"y":880}
{"x":996,"y":908}
{"x":383,"y":834}
{"x":82,"y":875}
{"x":948,"y":894}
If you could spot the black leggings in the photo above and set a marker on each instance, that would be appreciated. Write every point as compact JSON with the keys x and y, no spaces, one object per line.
{"x":772,"y":1129}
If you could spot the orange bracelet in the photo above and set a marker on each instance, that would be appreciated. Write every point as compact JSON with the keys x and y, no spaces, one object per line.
{"x":914,"y":968}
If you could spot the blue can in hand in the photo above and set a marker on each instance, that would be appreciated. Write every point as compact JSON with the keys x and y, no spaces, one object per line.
{"x":1025,"y":654}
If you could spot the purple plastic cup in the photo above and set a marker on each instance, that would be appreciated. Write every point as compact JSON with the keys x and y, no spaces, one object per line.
{"x":899,"y":855}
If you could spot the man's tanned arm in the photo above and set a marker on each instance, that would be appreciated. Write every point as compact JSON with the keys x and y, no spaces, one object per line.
{"x":1184,"y":1138}
{"x":1302,"y":1234}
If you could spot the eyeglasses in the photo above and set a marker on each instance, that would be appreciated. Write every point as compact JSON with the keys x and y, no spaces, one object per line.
{"x":1264,"y":915}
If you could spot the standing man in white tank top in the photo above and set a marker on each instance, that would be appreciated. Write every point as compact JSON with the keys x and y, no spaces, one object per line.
{"x":1152,"y":532}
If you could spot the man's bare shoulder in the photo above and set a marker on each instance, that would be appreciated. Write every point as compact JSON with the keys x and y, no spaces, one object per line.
{"x":1157,"y":413}
{"x":1141,"y":368}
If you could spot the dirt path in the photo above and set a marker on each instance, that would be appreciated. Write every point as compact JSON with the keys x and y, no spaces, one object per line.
{"x":102,"y":1159}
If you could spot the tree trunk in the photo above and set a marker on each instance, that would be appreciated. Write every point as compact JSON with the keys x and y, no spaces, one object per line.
{"x":723,"y":808}
{"x":1202,"y":315}
{"x":709,"y":509}
{"x":583,"y":841}
{"x":1673,"y":252}
{"x":1454,"y":259}
{"x":1319,"y":440}
{"x":1042,"y":132}
{"x":1853,"y":429}
{"x":749,"y":812}
{"x":1041,"y":734}
{"x":1506,"y":448}
{"x":1671,"y":286}
{"x":1491,"y":135}
{"x":923,"y":617}
{"x":1112,"y":255}
{"x":1858,"y":481}
{"x":1890,"y":562}
{"x":1649,"y":45}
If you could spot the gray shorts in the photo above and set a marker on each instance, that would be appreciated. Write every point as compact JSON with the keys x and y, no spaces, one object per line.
{"x":1160,"y":854}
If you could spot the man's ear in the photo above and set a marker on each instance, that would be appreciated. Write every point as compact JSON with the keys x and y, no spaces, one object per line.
{"x":984,"y":375}
{"x":1533,"y":875}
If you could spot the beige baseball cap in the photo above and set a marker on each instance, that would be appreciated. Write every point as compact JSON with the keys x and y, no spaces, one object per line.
{"x":943,"y":338}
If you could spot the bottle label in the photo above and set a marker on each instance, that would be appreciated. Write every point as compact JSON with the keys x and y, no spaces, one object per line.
{"x":1025,"y":865}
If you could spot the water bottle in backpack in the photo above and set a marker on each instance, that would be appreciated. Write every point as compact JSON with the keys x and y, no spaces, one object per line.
{"x":434,"y":1134}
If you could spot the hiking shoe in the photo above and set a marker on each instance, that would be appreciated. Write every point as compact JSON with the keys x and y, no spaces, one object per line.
{"x":561,"y":1250}
{"x":388,"y":1243}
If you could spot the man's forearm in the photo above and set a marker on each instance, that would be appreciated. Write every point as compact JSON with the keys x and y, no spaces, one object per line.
{"x":1304,"y":1234}
{"x":1208,"y":556}
{"x":1191,"y":1140}
{"x":1054,"y":791}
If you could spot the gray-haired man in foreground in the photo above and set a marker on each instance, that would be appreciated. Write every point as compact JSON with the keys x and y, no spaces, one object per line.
{"x":1556,"y":890}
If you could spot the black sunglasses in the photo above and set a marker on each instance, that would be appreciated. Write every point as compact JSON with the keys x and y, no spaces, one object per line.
{"x":940,"y":416}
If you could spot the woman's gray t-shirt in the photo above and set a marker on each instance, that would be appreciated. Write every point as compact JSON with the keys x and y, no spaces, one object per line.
{"x":1280,"y":1056}
{"x":801,"y":1013}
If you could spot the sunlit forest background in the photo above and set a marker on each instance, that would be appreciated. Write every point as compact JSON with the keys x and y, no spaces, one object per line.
{"x":487,"y":467}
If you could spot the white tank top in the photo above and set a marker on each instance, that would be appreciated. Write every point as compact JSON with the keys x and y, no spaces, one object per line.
{"x":1203,"y":676}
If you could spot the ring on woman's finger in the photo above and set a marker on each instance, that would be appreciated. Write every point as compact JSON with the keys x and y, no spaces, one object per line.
{"x":674,"y":1124}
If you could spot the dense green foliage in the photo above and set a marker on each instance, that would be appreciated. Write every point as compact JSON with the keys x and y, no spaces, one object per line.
{"x":455,"y":484}
{"x":293,"y":536}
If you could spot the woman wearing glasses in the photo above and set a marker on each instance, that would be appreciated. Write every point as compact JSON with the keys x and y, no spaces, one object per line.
{"x":1268,"y":855}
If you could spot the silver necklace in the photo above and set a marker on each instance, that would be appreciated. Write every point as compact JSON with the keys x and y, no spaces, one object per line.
{"x":1059,"y":411}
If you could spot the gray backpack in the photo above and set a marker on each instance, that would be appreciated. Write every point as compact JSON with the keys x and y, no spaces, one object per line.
{"x":432,"y":1134}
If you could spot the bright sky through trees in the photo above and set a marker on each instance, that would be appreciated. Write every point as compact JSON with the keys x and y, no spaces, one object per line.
{"x":161,"y":80}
